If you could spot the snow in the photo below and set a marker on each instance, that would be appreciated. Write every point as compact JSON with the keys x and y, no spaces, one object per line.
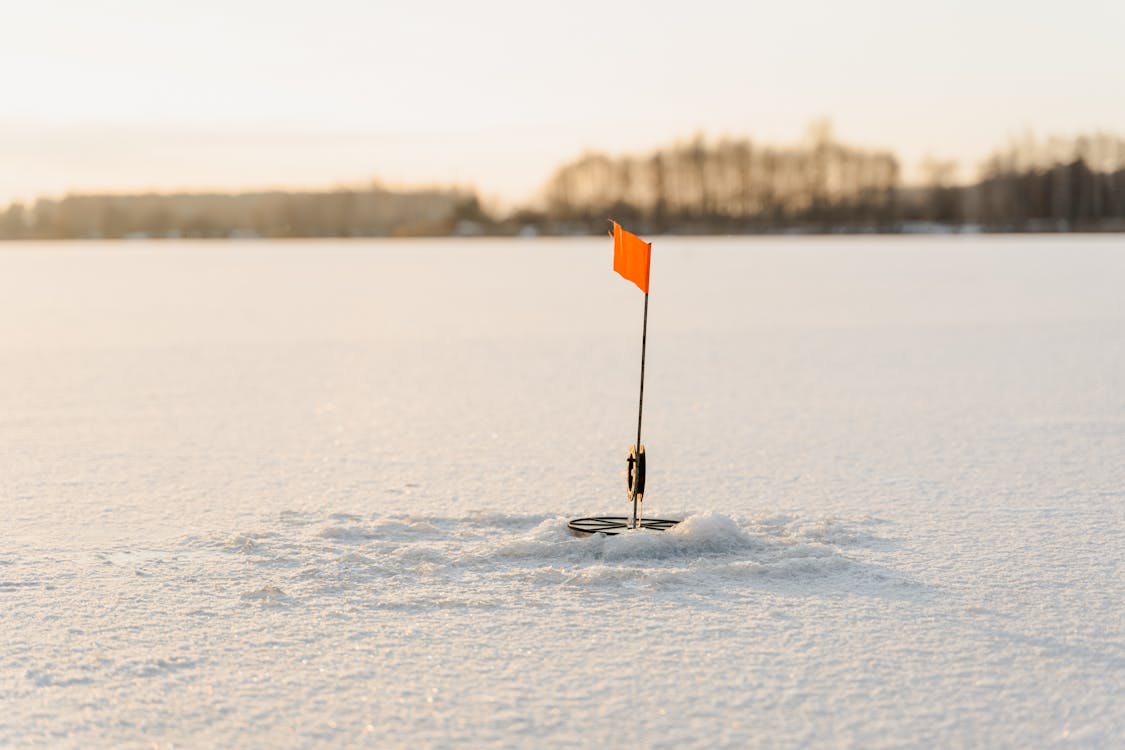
{"x":314,"y":493}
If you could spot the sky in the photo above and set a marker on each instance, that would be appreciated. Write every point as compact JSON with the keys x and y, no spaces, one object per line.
{"x":124,"y":95}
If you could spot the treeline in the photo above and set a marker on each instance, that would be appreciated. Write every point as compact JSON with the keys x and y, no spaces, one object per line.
{"x":1053,"y":185}
{"x":822,"y":185}
{"x":374,"y":211}
{"x":728,"y":185}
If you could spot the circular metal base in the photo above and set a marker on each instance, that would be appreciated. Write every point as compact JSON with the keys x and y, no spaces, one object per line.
{"x":611,"y":525}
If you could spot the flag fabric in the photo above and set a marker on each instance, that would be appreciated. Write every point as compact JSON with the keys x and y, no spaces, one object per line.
{"x":631,"y":256}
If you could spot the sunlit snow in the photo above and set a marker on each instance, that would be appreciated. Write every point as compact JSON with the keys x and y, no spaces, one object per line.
{"x":302,"y":494}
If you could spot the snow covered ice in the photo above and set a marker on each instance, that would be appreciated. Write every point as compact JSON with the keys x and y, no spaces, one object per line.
{"x":306,"y":494}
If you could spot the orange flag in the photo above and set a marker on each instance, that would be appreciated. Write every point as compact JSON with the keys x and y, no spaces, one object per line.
{"x":631,"y":256}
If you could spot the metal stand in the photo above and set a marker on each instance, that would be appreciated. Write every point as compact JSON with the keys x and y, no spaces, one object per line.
{"x":636,"y":460}
{"x":636,"y":476}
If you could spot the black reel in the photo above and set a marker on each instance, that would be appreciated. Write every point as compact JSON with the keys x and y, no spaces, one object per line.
{"x":635,"y":474}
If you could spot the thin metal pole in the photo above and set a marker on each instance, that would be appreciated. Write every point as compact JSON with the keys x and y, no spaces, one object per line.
{"x":641,"y":401}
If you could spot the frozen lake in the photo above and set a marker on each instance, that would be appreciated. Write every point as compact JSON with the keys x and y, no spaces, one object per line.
{"x":296,"y":494}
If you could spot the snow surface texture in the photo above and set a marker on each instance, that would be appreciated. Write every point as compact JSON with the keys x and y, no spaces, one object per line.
{"x":306,"y":494}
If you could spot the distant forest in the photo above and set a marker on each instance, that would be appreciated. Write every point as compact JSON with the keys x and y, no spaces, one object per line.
{"x":822,"y":185}
{"x":697,"y":186}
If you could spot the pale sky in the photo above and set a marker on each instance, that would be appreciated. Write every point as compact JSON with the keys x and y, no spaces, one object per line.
{"x":166,"y":94}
